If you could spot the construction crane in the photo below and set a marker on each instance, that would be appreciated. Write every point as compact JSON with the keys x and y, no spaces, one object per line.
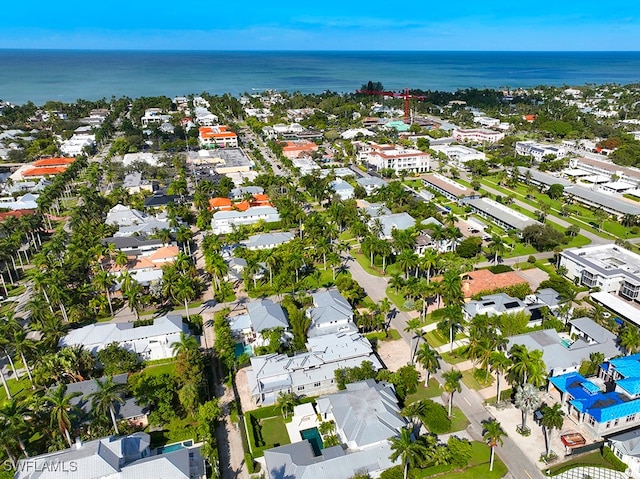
{"x":396,"y":94}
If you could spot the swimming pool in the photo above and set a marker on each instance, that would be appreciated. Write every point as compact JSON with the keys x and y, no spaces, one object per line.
{"x":566,"y":343}
{"x":313,"y":436}
{"x":174,"y":447}
{"x":241,"y":349}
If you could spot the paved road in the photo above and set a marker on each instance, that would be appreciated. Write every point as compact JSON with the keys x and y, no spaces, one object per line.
{"x":469,"y":401}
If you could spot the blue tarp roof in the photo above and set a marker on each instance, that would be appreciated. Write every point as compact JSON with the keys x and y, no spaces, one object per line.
{"x":587,"y":398}
{"x":627,"y":366}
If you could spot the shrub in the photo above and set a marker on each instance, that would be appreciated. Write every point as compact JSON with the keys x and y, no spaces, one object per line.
{"x":611,"y":458}
{"x":395,"y":472}
{"x":531,"y":259}
{"x":248,"y":459}
{"x":500,"y":268}
{"x":435,"y":417}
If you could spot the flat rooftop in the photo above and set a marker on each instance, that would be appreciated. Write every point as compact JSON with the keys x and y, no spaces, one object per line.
{"x":447,"y":185}
{"x":503,"y":213}
{"x":607,"y":259}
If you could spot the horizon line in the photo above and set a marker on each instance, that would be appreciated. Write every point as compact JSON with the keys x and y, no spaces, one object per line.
{"x":206,"y":50}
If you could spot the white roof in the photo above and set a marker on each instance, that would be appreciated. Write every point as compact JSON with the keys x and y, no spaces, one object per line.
{"x":621,"y":307}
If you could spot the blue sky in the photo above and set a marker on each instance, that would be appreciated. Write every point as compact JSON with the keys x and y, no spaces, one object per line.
{"x":322,"y":25}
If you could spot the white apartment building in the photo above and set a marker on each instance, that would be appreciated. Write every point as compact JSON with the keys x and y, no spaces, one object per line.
{"x":611,"y":268}
{"x":486,"y":121}
{"x":478,"y":135}
{"x":223,"y":222}
{"x":395,"y":157}
{"x":539,"y":150}
{"x":459,"y":154}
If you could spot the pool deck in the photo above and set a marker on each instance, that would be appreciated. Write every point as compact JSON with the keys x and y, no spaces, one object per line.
{"x":304,"y":417}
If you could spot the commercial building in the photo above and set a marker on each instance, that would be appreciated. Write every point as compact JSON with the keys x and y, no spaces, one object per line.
{"x":300,"y":148}
{"x":500,"y":214}
{"x":459,"y":154}
{"x":394,"y":157}
{"x":612,"y":269}
{"x":450,"y":189}
{"x":477,"y":135}
{"x":538,"y":150}
{"x":218,"y":136}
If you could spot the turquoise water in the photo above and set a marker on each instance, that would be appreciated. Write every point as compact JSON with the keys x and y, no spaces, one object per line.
{"x":566,"y":343}
{"x":242,"y":349}
{"x":174,"y":447}
{"x":313,"y":436}
{"x":73,"y":74}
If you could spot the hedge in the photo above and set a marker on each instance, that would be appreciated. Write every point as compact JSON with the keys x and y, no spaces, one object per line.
{"x":612,"y":459}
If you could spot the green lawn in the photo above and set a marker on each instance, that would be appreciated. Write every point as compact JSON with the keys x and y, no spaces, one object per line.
{"x":436,"y":339}
{"x":471,"y":382}
{"x":504,"y":394}
{"x":393,"y":335}
{"x":176,"y":430}
{"x":454,"y":358}
{"x":432,"y":391}
{"x":593,"y":458}
{"x":478,"y":467}
{"x":158,"y":369}
{"x":274,"y":431}
{"x":20,"y":388}
{"x":396,"y":298}
{"x":459,"y":421}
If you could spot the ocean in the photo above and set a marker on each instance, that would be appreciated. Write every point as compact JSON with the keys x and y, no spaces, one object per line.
{"x":42,"y":75}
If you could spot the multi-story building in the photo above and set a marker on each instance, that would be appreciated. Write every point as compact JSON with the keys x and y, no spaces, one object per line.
{"x":395,"y":157}
{"x":478,"y":135}
{"x":500,"y":214}
{"x":224,"y":221}
{"x":538,"y":150}
{"x":219,"y":136}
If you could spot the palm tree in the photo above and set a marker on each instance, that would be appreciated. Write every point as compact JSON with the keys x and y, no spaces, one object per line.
{"x":493,"y":434}
{"x":411,"y":453}
{"x":61,"y":409}
{"x":407,"y":260}
{"x":103,"y":399}
{"x":496,"y":246}
{"x":414,"y":412}
{"x":452,"y":384}
{"x":428,"y":261}
{"x":552,"y":418}
{"x":527,"y":399}
{"x":104,"y":280}
{"x":428,"y":359}
{"x":187,"y":343}
{"x":452,"y":319}
{"x":183,"y":236}
{"x":499,"y":363}
{"x":12,"y":418}
{"x":451,"y":288}
{"x":630,"y":339}
{"x":287,"y":401}
{"x":185,"y":291}
{"x":412,"y":327}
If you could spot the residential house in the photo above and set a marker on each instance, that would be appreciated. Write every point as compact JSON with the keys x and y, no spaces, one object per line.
{"x":342,"y":189}
{"x":125,"y":457}
{"x":305,"y":165}
{"x":371,"y":184}
{"x":493,"y":305}
{"x":45,"y":168}
{"x":150,"y":159}
{"x":386,"y":223}
{"x":309,"y":373}
{"x":223,"y":222}
{"x":267,"y":240}
{"x":366,"y":415}
{"x":561,"y":354}
{"x":261,"y":315}
{"x":154,"y":116}
{"x":28,"y":201}
{"x":149,"y":342}
{"x":330,"y":314}
{"x":128,"y":410}
{"x":132,"y":222}
{"x":626,"y":447}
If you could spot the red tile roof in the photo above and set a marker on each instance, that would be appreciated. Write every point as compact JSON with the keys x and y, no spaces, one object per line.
{"x":53,"y":162}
